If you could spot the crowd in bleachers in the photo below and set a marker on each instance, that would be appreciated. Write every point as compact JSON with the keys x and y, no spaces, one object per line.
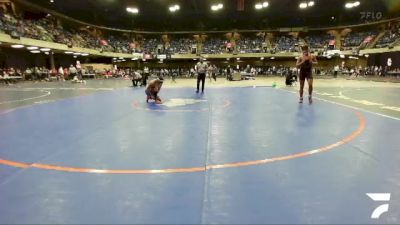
{"x":389,"y":37}
{"x":116,"y":44}
{"x":150,"y":45}
{"x":357,"y":38}
{"x":249,"y":45}
{"x":48,"y":29}
{"x":214,"y":46}
{"x":318,"y":41}
{"x":180,"y":46}
{"x":285,"y":44}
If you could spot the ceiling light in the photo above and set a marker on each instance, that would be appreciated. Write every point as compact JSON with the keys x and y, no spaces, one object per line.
{"x":238,"y":59}
{"x":262,"y":58}
{"x":350,"y":5}
{"x":272,"y":57}
{"x":311,"y":3}
{"x":132,"y":10}
{"x":32,"y":48}
{"x":217,"y":7}
{"x":35,"y":51}
{"x":303,"y":5}
{"x":69,"y":52}
{"x":84,"y":54}
{"x":75,"y":56}
{"x":17,"y":46}
{"x":51,"y":1}
{"x":261,"y":5}
{"x":45,"y":49}
{"x":77,"y":53}
{"x":174,"y":8}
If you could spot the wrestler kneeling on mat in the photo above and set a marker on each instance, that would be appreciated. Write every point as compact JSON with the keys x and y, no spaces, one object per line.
{"x":305,"y":62}
{"x":153,"y":89}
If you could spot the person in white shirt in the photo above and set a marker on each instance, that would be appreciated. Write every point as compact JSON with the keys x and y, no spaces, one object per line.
{"x":136,"y":78}
{"x":214,"y":73}
{"x":72,"y":71}
{"x":191,"y":72}
{"x":201,"y":68}
{"x":146,"y":74}
{"x":335,"y":71}
{"x":209,"y":72}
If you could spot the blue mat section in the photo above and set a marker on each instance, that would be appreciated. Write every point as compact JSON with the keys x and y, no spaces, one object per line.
{"x":37,"y":197}
{"x":118,"y":130}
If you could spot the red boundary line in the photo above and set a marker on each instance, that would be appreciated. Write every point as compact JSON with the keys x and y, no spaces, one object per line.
{"x":344,"y":140}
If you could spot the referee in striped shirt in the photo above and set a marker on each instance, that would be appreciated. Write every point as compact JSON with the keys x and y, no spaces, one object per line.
{"x":201,"y":68}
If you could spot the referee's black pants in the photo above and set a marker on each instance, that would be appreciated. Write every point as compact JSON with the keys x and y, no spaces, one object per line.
{"x":201,"y":77}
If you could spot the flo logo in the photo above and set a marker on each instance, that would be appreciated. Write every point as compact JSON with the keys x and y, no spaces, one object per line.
{"x":379,"y":197}
{"x":371,"y":16}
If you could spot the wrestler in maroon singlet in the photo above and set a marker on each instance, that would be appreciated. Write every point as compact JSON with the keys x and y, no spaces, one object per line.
{"x":305,"y":62}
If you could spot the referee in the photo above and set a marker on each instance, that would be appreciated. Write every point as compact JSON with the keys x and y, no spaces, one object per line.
{"x":201,"y":68}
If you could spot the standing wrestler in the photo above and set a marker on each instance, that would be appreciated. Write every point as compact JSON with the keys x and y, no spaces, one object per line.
{"x":305,"y":62}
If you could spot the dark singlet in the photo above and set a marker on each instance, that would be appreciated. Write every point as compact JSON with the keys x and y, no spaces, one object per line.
{"x":306,"y":70}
